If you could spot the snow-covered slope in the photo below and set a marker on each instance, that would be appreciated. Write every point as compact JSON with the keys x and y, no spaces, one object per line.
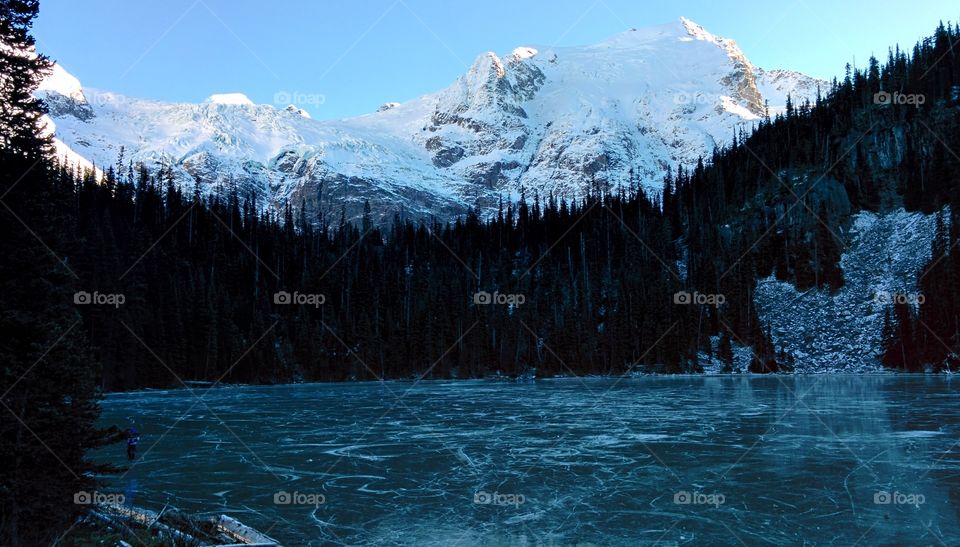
{"x":842,"y":331}
{"x":548,"y":120}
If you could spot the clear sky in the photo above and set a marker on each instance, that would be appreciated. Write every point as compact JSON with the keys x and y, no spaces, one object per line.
{"x":347,"y":57}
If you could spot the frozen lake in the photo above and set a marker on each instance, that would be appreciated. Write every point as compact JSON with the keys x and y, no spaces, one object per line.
{"x":816,"y":460}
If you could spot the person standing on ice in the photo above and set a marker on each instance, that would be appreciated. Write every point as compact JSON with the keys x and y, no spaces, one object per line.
{"x":133,"y":438}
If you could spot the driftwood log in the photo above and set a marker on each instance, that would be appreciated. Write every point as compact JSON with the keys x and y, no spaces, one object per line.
{"x":181,"y":527}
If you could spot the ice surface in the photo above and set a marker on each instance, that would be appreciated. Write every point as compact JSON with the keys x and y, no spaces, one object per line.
{"x":797,"y":460}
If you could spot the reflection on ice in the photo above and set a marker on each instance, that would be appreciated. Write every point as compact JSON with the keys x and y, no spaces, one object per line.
{"x":681,"y":460}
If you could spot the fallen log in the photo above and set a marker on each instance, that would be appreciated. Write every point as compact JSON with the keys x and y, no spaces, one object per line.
{"x":220,"y":531}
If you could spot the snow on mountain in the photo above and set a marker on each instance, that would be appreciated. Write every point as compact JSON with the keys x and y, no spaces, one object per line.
{"x":297,"y":110}
{"x":63,"y":83}
{"x":229,"y":98}
{"x":843,"y":331}
{"x":775,"y":85}
{"x":544,"y":119}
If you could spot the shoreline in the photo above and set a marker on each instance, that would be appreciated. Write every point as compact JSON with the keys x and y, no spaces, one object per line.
{"x":407,"y":381}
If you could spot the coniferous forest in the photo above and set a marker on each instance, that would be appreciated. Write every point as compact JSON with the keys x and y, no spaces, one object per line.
{"x":597,"y":275}
{"x":215,"y":289}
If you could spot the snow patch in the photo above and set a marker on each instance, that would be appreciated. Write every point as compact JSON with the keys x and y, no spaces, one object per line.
{"x":62,"y":82}
{"x":387,"y":106}
{"x":294,"y":109}
{"x":229,"y":98}
{"x":731,"y":106}
{"x":523,"y":52}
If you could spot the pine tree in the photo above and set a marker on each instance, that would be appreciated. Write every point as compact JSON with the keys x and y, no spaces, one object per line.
{"x":828,"y":252}
{"x":21,"y":70}
{"x":49,"y":387}
{"x":725,"y":352}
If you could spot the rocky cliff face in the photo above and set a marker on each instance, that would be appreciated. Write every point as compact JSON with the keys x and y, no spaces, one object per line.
{"x":541,"y":120}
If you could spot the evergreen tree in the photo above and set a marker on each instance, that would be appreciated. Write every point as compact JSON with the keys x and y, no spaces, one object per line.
{"x":21,"y":71}
{"x":725,"y":352}
{"x":49,"y":387}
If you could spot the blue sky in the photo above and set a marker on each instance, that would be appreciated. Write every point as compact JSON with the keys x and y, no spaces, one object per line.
{"x":347,"y":57}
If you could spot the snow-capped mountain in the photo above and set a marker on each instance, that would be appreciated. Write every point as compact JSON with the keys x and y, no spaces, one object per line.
{"x":548,"y":120}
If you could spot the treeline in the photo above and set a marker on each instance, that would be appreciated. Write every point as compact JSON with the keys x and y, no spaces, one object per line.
{"x":597,"y":277}
{"x":576,"y":288}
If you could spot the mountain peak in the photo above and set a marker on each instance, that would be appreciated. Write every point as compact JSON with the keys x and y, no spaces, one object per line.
{"x":681,"y":30}
{"x":523,"y":52}
{"x":697,"y":31}
{"x":229,"y":98}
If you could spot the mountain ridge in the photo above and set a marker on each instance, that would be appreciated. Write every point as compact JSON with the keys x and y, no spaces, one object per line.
{"x":544,"y":120}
